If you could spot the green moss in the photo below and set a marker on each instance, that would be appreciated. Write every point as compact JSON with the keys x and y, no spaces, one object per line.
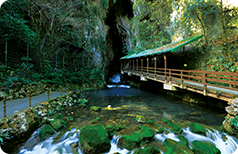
{"x":173,"y":147}
{"x":69,"y":118}
{"x":175,"y":128}
{"x":96,"y":119}
{"x":184,"y":140}
{"x":197,"y":128}
{"x":165,"y":120}
{"x":95,"y":108}
{"x":160,"y":130}
{"x":120,"y":127}
{"x":137,"y":138}
{"x":58,"y":124}
{"x":204,"y":148}
{"x":148,"y":150}
{"x":149,"y":121}
{"x":140,"y":118}
{"x":111,"y":130}
{"x":94,"y":138}
{"x":47,"y":129}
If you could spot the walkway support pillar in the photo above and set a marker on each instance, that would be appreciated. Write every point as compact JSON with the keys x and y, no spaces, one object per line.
{"x":165,"y":67}
{"x":155,"y":66}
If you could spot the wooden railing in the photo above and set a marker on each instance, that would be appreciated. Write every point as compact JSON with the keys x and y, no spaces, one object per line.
{"x":201,"y":79}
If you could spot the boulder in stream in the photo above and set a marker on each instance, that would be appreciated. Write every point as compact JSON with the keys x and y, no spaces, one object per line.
{"x":137,"y":138}
{"x":204,"y":148}
{"x":94,"y":139}
{"x":95,"y":108}
{"x":58,"y":124}
{"x":173,"y":147}
{"x":197,"y":128}
{"x":47,"y":129}
{"x":140,"y":119}
{"x":148,"y":150}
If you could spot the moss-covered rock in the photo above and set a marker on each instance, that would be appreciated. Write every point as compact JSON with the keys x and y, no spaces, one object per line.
{"x":160,"y":130}
{"x":199,"y":147}
{"x":183,"y":139}
{"x":94,"y":139}
{"x":165,"y":120}
{"x":175,"y":128}
{"x":137,"y":138}
{"x":148,"y":150}
{"x":47,"y":129}
{"x":69,"y":118}
{"x":140,"y":118}
{"x":120,"y":127}
{"x":173,"y":147}
{"x":111,"y":130}
{"x":95,"y":108}
{"x":58,"y":124}
{"x":197,"y":128}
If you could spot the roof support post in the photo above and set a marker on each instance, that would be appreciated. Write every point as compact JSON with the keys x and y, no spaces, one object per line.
{"x":147,"y":67}
{"x":155,"y":66}
{"x":165,"y":67}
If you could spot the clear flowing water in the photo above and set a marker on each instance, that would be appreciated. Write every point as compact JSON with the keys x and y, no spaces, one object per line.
{"x":120,"y":105}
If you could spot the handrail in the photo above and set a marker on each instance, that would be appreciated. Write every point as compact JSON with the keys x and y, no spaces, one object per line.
{"x":226,"y":80}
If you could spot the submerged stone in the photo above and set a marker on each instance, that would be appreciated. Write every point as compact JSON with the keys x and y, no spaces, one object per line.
{"x":140,"y":118}
{"x":58,"y":124}
{"x":95,"y":108}
{"x":148,"y":150}
{"x":197,"y":128}
{"x":47,"y":129}
{"x":69,"y":118}
{"x":173,"y":147}
{"x":204,"y":148}
{"x":94,"y":139}
{"x":137,"y":138}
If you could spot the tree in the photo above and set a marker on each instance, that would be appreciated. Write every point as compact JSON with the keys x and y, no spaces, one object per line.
{"x":225,"y":33}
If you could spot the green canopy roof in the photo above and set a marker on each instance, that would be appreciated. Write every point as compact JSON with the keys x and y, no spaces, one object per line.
{"x":166,"y":48}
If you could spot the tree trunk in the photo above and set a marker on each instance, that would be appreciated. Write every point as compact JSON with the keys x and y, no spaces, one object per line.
{"x":226,"y":35}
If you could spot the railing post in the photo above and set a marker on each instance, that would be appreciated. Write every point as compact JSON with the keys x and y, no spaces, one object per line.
{"x":30,"y":100}
{"x":141,"y":66}
{"x":230,"y":81}
{"x":147,"y":67}
{"x":155,"y":66}
{"x":204,"y":76}
{"x":133,"y":65}
{"x":169,"y":75}
{"x":181,"y":79}
{"x":137,"y":65}
{"x":4,"y":106}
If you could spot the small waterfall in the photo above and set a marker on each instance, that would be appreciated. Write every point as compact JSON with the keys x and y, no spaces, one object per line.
{"x":116,"y":78}
{"x":226,"y":146}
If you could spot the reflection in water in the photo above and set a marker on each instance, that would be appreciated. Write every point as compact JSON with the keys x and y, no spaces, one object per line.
{"x":116,"y":78}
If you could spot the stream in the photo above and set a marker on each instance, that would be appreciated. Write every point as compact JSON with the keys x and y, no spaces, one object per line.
{"x":127,"y":102}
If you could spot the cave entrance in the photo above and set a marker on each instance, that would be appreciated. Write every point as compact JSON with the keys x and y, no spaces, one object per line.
{"x":118,"y":34}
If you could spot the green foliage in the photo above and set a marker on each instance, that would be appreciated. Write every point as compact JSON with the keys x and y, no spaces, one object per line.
{"x":148,"y":28}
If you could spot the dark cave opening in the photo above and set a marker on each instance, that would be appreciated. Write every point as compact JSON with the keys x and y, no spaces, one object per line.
{"x":115,"y":39}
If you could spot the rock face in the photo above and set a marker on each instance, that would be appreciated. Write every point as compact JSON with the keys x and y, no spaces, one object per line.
{"x":231,"y":119}
{"x":94,"y":139}
{"x":132,"y":141}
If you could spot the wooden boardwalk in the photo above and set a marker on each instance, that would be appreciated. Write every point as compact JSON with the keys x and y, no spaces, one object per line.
{"x":220,"y":85}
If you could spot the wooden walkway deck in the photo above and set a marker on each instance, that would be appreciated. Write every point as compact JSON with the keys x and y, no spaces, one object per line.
{"x":220,"y":85}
